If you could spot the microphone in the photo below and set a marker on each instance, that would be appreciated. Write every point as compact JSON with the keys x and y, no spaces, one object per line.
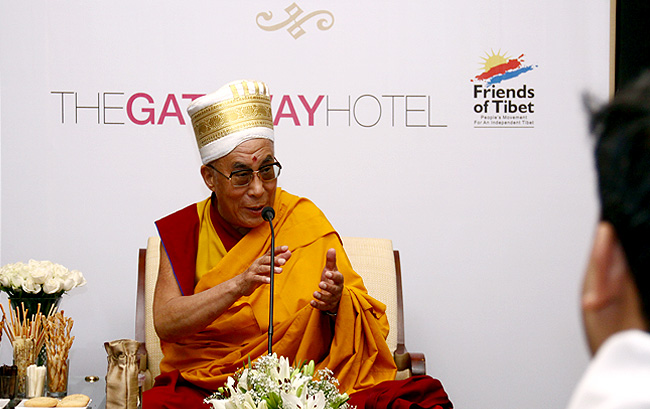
{"x":268,"y":214}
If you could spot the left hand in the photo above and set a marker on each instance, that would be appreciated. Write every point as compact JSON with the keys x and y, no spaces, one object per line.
{"x":330,"y":287}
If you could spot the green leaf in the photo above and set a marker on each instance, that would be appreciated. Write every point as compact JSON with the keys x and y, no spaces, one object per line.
{"x":273,"y":400}
{"x":340,"y":400}
{"x":309,"y":369}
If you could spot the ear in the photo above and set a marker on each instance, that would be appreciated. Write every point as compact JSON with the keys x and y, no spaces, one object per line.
{"x":607,"y":270}
{"x":208,"y":177}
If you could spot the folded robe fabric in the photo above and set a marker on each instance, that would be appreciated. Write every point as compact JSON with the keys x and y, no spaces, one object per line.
{"x":417,"y":392}
{"x":354,"y":348}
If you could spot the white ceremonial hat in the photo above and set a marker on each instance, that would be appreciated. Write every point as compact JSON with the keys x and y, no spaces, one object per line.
{"x":237,"y":112}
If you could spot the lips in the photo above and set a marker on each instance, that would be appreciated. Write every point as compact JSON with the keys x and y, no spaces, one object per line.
{"x":255,"y":209}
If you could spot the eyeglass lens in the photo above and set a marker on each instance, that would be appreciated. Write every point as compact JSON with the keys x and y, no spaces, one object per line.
{"x":244,"y":177}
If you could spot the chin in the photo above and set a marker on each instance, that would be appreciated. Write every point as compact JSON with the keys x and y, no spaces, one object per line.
{"x":251,"y":224}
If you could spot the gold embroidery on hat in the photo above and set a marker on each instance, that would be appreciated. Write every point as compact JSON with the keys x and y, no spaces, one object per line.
{"x":242,"y":112}
{"x":233,"y":88}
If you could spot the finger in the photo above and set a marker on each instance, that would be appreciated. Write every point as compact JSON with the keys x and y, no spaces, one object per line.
{"x":263,"y":267}
{"x":329,"y":289}
{"x":323,"y":305}
{"x":285,"y":255}
{"x":263,"y":260}
{"x":320,"y":305}
{"x":323,"y":294}
{"x":264,"y":270}
{"x":257,"y":280}
{"x":324,"y":297}
{"x":330,"y":263}
{"x":282,"y":254}
{"x":335,"y":277}
{"x":280,"y":261}
{"x":266,"y":257}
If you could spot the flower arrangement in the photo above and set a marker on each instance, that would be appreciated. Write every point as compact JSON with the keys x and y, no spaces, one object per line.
{"x":37,"y":278}
{"x":270,"y":383}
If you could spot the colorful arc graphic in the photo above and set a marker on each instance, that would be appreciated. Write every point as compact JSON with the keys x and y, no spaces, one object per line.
{"x":499,"y":68}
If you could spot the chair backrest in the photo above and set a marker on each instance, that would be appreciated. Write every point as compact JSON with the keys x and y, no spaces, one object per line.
{"x":147,"y":276}
{"x":374,"y":259}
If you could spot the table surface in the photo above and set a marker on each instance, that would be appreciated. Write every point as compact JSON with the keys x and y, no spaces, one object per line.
{"x":77,"y":384}
{"x":16,"y":403}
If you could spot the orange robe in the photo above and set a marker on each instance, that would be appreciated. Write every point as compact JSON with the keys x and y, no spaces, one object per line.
{"x":354,"y":348}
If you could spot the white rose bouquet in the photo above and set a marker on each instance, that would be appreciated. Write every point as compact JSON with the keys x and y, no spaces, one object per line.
{"x":38,"y":278}
{"x":270,"y":383}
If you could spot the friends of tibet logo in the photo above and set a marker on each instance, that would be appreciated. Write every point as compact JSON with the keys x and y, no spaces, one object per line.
{"x":502,"y":97}
{"x":295,"y":20}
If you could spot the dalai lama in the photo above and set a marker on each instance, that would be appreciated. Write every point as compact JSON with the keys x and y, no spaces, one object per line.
{"x":211,"y":303}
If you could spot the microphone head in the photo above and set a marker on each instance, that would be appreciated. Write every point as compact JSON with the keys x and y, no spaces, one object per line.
{"x":268,"y":213}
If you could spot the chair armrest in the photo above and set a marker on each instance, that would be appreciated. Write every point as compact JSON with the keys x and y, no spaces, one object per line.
{"x":414,"y":362}
{"x":418,"y":364}
{"x":145,"y":379}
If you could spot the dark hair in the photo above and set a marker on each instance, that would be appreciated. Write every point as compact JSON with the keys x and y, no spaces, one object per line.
{"x":622,"y":129}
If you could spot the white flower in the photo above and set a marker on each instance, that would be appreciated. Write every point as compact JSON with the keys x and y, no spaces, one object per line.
{"x":304,"y":401}
{"x":285,"y":370}
{"x":29,"y":286}
{"x":243,"y":380}
{"x":217,"y":403}
{"x":271,"y":383}
{"x":37,"y":276}
{"x":39,"y":271}
{"x":79,"y":279}
{"x":68,"y":283}
{"x":316,"y":401}
{"x":16,"y":281}
{"x":249,"y":403}
{"x":291,"y":401}
{"x":298,"y":381}
{"x":52,"y":285}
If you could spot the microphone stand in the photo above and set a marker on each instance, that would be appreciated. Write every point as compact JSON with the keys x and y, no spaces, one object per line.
{"x":268,"y":214}
{"x":271,"y":288}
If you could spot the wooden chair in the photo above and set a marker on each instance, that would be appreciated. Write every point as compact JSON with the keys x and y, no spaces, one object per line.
{"x":374,"y":259}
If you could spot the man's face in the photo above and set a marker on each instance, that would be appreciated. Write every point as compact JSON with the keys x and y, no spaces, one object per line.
{"x":242,"y":206}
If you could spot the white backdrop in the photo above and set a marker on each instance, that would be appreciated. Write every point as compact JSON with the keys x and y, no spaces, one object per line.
{"x":493,"y":220}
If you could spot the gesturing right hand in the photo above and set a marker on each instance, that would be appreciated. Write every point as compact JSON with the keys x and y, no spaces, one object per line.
{"x":259,"y":272}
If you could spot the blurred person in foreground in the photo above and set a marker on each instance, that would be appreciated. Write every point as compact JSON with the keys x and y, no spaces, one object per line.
{"x":616,"y":290}
{"x":211,"y":303}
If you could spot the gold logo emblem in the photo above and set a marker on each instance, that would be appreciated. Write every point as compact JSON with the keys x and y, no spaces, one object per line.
{"x":294,"y":11}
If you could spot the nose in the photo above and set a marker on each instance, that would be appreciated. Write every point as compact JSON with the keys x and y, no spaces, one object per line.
{"x":256,"y":187}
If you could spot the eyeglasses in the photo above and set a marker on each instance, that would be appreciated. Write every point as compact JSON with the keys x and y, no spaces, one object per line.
{"x":244,"y":177}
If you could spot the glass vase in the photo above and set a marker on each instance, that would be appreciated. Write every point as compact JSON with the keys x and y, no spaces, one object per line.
{"x":24,"y":356}
{"x":30,"y":303}
{"x":57,"y":377}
